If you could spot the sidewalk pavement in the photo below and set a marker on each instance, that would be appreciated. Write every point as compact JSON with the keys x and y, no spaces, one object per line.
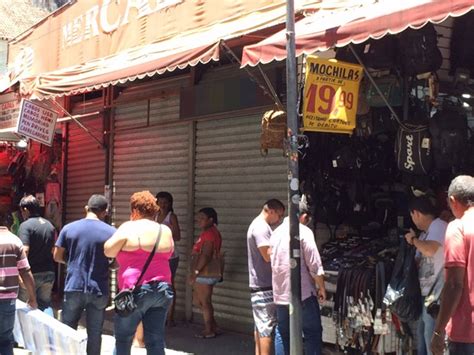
{"x":180,"y":340}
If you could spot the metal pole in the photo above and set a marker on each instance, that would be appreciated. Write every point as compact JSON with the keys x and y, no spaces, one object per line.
{"x":296,"y":340}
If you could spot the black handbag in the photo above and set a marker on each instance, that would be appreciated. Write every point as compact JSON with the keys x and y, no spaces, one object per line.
{"x":124,"y":301}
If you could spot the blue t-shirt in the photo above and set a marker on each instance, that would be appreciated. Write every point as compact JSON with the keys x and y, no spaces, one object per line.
{"x":87,"y":266}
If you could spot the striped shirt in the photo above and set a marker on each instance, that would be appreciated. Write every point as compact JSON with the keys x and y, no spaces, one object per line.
{"x":12,"y":260}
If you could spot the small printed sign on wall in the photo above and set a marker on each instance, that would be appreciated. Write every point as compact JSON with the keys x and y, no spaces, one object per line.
{"x":36,"y":122}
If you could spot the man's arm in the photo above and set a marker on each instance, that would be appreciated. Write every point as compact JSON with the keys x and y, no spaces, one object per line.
{"x":29,"y":284}
{"x":58,"y":255}
{"x":426,"y":247}
{"x":450,"y":297}
{"x":265,"y":252}
{"x":319,"y":280}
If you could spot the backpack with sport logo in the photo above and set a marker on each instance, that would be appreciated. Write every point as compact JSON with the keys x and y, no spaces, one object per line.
{"x":413,"y":149}
{"x":449,"y":130}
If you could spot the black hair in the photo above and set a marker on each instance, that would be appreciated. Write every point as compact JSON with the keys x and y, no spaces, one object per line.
{"x":31,"y":204}
{"x":424,"y":205}
{"x":274,"y":204}
{"x":6,"y":220}
{"x":210,"y":213}
{"x":167,"y":196}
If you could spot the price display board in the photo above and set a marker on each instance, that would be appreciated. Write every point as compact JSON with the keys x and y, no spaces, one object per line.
{"x":330,"y":95}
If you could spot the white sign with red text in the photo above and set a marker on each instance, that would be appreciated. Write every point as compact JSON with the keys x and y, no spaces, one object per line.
{"x":36,"y":122}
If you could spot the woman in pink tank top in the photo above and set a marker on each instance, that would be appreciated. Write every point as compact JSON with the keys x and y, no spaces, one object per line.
{"x":131,"y":245}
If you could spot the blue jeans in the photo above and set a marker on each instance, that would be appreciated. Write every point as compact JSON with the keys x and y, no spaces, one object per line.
{"x":461,"y":348}
{"x":312,"y":329}
{"x":74,"y":304}
{"x":7,"y":320}
{"x":424,"y":332}
{"x":152,"y":302}
{"x":44,"y":285}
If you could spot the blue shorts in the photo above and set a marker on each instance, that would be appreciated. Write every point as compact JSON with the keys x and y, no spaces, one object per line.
{"x":207,"y":280}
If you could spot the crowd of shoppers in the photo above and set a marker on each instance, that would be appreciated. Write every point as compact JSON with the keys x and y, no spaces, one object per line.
{"x":88,"y":245}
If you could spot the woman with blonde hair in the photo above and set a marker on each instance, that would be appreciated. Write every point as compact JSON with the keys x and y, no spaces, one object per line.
{"x":132,"y":244}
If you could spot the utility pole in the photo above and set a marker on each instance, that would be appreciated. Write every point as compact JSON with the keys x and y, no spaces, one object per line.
{"x":296,"y":339}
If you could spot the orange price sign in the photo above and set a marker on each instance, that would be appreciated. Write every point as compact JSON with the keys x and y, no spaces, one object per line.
{"x":330,"y":95}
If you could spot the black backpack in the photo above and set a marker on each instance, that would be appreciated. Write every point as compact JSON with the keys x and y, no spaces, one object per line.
{"x":403,"y":295}
{"x":413,"y":151}
{"x":449,"y":130}
{"x":381,"y":53}
{"x":419,"y":52}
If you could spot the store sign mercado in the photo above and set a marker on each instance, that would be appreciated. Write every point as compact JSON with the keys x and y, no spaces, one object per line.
{"x":330,"y":95}
{"x":36,"y":122}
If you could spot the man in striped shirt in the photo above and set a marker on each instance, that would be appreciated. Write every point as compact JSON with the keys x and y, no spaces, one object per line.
{"x":13,"y":262}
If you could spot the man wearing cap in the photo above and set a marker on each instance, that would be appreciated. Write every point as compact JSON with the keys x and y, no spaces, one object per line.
{"x":312,"y":275}
{"x":81,"y":246}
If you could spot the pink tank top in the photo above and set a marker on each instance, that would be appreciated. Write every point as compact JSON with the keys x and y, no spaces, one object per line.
{"x":132,"y":262}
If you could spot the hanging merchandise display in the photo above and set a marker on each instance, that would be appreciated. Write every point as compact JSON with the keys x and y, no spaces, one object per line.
{"x":408,"y":141}
{"x":330,"y":95}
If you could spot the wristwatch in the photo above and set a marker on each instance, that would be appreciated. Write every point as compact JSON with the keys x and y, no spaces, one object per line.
{"x":196,"y":272}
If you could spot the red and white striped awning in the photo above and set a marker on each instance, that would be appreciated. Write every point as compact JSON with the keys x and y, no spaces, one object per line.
{"x":323,"y":30}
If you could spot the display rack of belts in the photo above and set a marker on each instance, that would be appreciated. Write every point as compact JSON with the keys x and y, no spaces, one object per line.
{"x":361,"y":184}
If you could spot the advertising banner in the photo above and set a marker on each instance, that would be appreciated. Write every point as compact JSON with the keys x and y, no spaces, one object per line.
{"x":330,"y":95}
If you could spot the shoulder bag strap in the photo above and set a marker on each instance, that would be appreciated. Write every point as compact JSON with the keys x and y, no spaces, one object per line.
{"x":148,"y":260}
{"x":435,"y":287}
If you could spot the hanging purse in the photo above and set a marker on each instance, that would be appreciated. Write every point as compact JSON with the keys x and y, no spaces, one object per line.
{"x":124,"y":301}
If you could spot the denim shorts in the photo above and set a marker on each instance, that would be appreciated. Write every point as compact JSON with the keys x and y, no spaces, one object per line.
{"x":207,"y":280}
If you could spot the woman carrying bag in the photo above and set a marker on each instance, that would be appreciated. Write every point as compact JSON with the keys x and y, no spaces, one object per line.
{"x":142,"y":248}
{"x":207,"y":247}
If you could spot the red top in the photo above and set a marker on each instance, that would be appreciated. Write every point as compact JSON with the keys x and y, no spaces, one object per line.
{"x":212,"y":235}
{"x":459,"y":252}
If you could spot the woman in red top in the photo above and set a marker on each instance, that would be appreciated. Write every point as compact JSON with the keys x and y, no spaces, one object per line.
{"x":209,"y":240}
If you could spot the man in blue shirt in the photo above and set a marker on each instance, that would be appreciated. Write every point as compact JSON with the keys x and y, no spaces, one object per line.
{"x":81,"y":246}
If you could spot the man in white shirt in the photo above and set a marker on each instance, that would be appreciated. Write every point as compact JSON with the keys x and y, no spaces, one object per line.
{"x":430,"y":259}
{"x":312,"y":275}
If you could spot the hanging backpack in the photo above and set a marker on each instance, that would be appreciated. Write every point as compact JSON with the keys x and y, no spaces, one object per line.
{"x":462,"y":44}
{"x":345,"y":54}
{"x":391,"y":88}
{"x":413,"y":151}
{"x":419,"y":52}
{"x":403,"y":295}
{"x":449,"y":130}
{"x":273,"y":131}
{"x":381,"y":53}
